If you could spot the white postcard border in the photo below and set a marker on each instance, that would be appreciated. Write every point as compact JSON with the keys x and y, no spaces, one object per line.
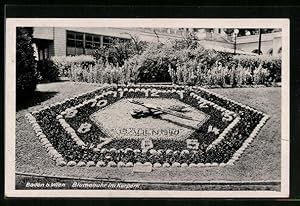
{"x":10,"y":100}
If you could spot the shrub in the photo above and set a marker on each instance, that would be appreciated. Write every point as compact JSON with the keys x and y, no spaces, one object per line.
{"x":48,"y":70}
{"x":26,"y":73}
{"x":119,"y":51}
{"x":160,"y":62}
{"x":153,"y":63}
{"x":189,"y":40}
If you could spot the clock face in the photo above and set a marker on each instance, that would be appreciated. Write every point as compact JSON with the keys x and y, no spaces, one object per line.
{"x":162,"y":124}
{"x":117,"y":122}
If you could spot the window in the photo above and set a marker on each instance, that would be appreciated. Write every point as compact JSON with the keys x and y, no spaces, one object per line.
{"x":106,"y":41}
{"x":257,"y":52}
{"x":92,"y":41}
{"x":124,"y":40}
{"x":270,"y":52}
{"x":97,"y":39}
{"x":71,"y":35}
{"x":71,"y":42}
{"x":75,"y":43}
{"x":280,"y":50}
{"x":88,"y":37}
{"x":43,"y":54}
{"x":42,"y":49}
{"x":83,"y":43}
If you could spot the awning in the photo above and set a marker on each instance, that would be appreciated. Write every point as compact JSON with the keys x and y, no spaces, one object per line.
{"x":227,"y":50}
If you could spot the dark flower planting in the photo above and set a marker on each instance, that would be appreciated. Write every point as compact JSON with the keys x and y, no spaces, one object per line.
{"x":71,"y":137}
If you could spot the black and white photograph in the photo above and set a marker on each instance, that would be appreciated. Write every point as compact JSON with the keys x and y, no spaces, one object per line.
{"x":147,"y":107}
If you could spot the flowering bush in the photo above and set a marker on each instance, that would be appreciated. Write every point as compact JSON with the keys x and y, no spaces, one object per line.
{"x":104,"y":73}
{"x":219,"y":75}
{"x":219,"y":141}
{"x":192,"y":64}
{"x":272,"y":64}
{"x":64,"y":63}
{"x":182,"y":62}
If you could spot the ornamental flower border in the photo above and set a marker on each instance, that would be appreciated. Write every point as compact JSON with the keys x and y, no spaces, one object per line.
{"x":72,"y":105}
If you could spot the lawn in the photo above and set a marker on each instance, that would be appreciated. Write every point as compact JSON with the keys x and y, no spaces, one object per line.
{"x":260,"y":161}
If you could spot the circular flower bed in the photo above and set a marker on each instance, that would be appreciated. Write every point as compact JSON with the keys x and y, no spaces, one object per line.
{"x":73,"y":138}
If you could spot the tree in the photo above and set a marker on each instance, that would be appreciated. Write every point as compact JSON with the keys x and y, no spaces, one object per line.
{"x":26,"y":73}
{"x":119,"y":51}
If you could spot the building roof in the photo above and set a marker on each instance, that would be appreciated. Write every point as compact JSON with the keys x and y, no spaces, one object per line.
{"x":227,"y":50}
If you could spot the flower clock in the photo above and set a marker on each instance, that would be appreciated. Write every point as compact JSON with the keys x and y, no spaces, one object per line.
{"x":162,"y":126}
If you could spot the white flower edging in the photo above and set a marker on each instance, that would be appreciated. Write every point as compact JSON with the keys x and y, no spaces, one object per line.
{"x":247,"y":142}
{"x":222,"y":109}
{"x":71,"y":132}
{"x":228,"y":99}
{"x":214,"y":105}
{"x":253,"y":134}
{"x":224,"y":133}
{"x":43,"y":138}
{"x":56,"y":156}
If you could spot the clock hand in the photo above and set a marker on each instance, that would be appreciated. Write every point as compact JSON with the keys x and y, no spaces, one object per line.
{"x":178,"y":114}
{"x":166,"y":111}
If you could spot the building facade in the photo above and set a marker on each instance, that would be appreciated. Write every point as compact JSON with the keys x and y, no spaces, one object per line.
{"x":64,"y":41}
{"x":271,"y":43}
{"x":58,"y":41}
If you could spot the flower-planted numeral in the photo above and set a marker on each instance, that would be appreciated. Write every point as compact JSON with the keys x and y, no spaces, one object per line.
{"x":227,"y":116}
{"x":146,"y":144}
{"x":84,"y":128}
{"x":102,"y":103}
{"x":214,"y":130}
{"x":192,"y":144}
{"x":70,"y":113}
